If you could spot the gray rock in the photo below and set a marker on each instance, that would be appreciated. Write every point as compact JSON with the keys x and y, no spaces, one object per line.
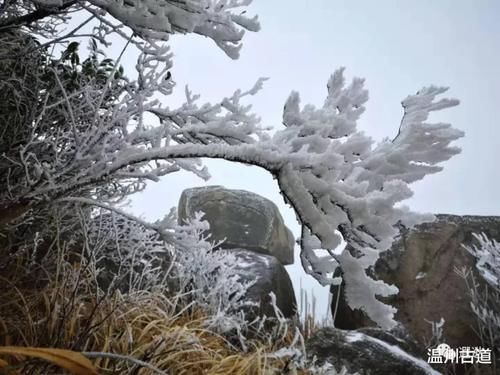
{"x":397,"y":336}
{"x":362,"y":353}
{"x":421,"y":264}
{"x":270,"y":276}
{"x":245,"y":220}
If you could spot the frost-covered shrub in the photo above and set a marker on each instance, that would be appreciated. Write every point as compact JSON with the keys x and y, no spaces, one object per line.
{"x":126,"y":255}
{"x":210,"y":277}
{"x":487,"y":254}
{"x":485,"y":300}
{"x":133,"y":256}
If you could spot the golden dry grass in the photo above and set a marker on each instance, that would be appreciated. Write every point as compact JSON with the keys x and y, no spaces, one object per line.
{"x":66,"y":310}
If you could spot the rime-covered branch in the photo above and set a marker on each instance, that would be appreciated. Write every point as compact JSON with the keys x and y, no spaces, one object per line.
{"x":354,"y":188}
{"x":158,"y":19}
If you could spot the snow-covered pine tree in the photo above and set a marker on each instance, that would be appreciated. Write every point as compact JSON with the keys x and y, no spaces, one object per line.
{"x":116,"y":137}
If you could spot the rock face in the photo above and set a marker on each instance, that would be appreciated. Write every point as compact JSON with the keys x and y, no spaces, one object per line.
{"x":421,"y":264}
{"x":270,"y":276}
{"x":254,"y":232}
{"x":245,"y":220}
{"x":365,"y":354}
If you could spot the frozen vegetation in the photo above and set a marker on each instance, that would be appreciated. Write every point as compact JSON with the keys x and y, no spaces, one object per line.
{"x":84,"y":135}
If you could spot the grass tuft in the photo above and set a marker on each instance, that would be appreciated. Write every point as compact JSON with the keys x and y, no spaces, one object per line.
{"x":141,"y":332}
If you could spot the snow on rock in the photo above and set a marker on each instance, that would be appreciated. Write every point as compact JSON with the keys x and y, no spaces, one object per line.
{"x":270,"y":276}
{"x":422,"y":265}
{"x":362,"y":353}
{"x":420,"y":275}
{"x":393,"y":349}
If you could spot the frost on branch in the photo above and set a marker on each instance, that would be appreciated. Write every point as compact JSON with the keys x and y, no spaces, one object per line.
{"x":488,"y":259}
{"x":127,"y":255}
{"x":211,"y":277}
{"x":104,"y":139}
{"x":338,"y":182}
{"x":158,"y":19}
{"x":485,"y":301}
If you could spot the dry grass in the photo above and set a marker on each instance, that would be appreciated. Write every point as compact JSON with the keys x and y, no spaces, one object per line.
{"x":66,"y":310}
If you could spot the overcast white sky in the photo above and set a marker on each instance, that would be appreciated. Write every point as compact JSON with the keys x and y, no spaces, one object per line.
{"x":398,"y":46}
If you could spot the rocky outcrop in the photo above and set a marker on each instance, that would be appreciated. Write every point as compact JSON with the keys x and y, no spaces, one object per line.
{"x":253,"y":229}
{"x":421,"y":264}
{"x":240,"y":219}
{"x":270,"y":276}
{"x":365,"y":354}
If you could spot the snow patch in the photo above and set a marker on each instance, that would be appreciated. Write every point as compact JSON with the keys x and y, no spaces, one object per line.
{"x":420,"y":275}
{"x":395,"y":350}
{"x":243,"y":264}
{"x":354,"y":336}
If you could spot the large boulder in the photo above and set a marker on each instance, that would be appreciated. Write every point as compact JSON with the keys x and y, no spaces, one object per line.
{"x":270,"y":276}
{"x":422,"y":263}
{"x":365,"y":354}
{"x":241,"y":219}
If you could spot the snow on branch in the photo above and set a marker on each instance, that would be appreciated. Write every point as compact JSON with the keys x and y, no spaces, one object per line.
{"x":112,"y":149}
{"x":419,"y":146}
{"x":157,"y":19}
{"x":353,"y":188}
{"x":127,"y":254}
{"x":487,"y":253}
{"x":339,"y":186}
{"x":211,"y":277}
{"x":485,"y":301}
